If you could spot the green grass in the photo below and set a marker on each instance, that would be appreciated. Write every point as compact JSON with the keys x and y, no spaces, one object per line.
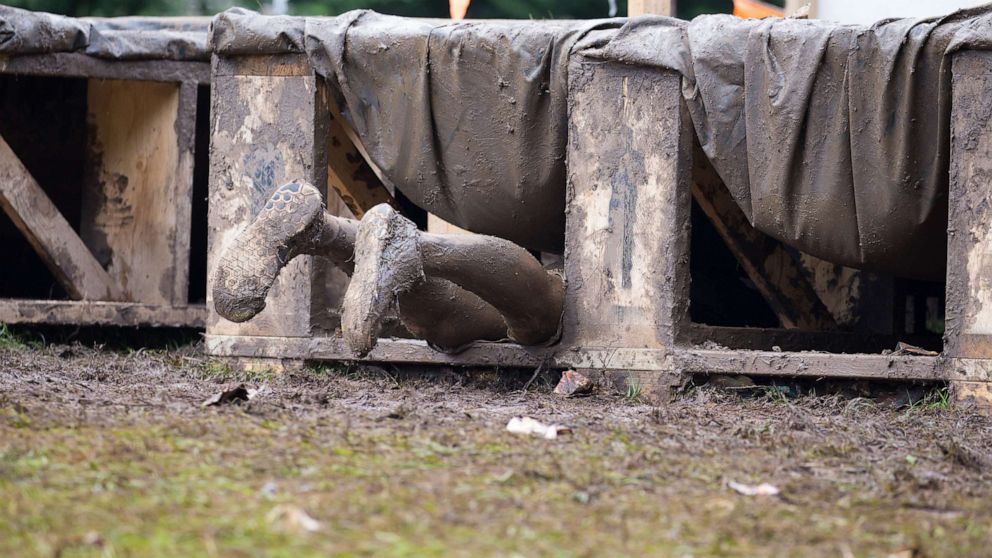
{"x":633,"y":391}
{"x":14,"y":340}
{"x":935,"y":399}
{"x":207,"y":485}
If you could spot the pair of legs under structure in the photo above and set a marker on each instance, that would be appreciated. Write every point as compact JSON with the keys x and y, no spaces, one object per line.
{"x":449,"y":289}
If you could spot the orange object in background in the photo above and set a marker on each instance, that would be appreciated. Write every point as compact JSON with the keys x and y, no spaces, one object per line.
{"x":753,"y":9}
{"x":458,"y":8}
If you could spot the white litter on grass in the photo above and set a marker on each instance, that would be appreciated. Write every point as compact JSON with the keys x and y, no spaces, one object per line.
{"x":763,"y":489}
{"x":529,"y":426}
{"x":293,"y":518}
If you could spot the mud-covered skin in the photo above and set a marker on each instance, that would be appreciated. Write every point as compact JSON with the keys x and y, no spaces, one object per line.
{"x":387,"y":263}
{"x":449,"y":317}
{"x":436,"y":310}
{"x":291,"y":223}
{"x":479,"y":287}
{"x":506,"y":292}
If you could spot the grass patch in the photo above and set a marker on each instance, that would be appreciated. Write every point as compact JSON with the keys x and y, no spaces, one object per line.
{"x":632,"y":394}
{"x":126,"y":463}
{"x":936,"y":399}
{"x":14,"y":340}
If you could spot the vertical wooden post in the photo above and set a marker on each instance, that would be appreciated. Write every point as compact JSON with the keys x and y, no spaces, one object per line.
{"x":659,"y":7}
{"x":627,"y":225}
{"x":267,"y":129}
{"x":968,"y":330}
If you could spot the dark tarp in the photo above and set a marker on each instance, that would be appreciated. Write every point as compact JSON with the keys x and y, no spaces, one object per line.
{"x":24,"y":32}
{"x":832,"y":138}
{"x":466,"y":119}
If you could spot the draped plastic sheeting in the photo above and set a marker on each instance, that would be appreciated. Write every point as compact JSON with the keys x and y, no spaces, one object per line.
{"x":832,"y":138}
{"x":124,"y":38}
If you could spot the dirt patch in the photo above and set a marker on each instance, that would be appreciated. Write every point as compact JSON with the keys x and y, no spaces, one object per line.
{"x":111,"y":453}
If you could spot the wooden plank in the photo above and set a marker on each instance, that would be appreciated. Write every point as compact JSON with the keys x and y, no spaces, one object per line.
{"x":639,"y":361}
{"x":185,"y":126}
{"x":348,"y":171}
{"x":754,"y":338}
{"x":418,"y":351}
{"x":266,"y":131}
{"x":657,"y":7}
{"x":137,"y":195}
{"x":92,"y":313}
{"x":968,"y":315}
{"x":51,"y":236}
{"x":262,"y":136}
{"x":627,"y":225}
{"x":968,"y":331}
{"x":769,"y":363}
{"x":74,"y":64}
{"x":386,"y":350}
{"x":773,"y":270}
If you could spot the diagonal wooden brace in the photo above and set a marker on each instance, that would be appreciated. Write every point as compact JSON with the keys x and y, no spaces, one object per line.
{"x":51,"y":236}
{"x":773,"y":270}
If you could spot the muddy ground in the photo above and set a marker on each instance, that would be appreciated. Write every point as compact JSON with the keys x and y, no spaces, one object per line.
{"x":108,"y":452}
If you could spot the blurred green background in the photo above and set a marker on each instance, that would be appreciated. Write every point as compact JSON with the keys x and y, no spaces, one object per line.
{"x":527,"y":9}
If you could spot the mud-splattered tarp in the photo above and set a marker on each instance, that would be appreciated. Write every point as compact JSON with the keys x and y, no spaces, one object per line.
{"x":24,"y":32}
{"x":468,"y":120}
{"x":832,"y":138}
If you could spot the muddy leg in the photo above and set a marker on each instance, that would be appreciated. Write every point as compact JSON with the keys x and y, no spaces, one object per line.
{"x":505,"y":275}
{"x":448,"y":316}
{"x":393,"y":257}
{"x":293,"y":222}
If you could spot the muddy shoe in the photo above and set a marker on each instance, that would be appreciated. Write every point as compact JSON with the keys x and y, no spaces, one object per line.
{"x":387,"y":263}
{"x":289,"y":225}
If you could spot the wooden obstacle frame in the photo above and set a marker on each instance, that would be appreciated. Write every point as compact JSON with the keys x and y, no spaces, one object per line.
{"x":627,"y":296}
{"x":98,"y":160}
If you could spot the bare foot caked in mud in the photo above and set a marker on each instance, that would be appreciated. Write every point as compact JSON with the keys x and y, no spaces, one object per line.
{"x":290,"y":224}
{"x":387,"y":264}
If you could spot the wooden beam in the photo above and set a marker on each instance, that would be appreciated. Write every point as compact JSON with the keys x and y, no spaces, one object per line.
{"x":266,"y":131}
{"x":51,"y":236}
{"x":691,"y":361}
{"x":350,"y":172}
{"x":658,"y":7}
{"x":627,"y":208}
{"x":816,"y":365}
{"x":97,"y":313}
{"x":968,"y":329}
{"x":773,"y":270}
{"x":77,"y":64}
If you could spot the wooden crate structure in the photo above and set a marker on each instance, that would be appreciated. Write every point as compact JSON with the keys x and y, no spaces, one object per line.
{"x":627,"y":295}
{"x":97,"y":166}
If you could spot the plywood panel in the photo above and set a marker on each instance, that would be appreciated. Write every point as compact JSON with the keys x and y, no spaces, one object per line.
{"x":627,"y":227}
{"x":136,"y":197}
{"x":262,"y":136}
{"x":969,"y":271}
